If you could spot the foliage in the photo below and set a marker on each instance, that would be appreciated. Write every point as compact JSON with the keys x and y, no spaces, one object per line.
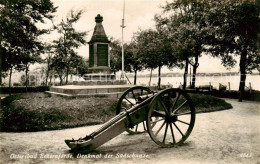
{"x":36,"y":112}
{"x":207,"y":103}
{"x":236,"y":32}
{"x":22,"y":89}
{"x":155,"y":50}
{"x":28,"y":120}
{"x":48,"y":55}
{"x":183,"y":23}
{"x":131,"y":57}
{"x":65,"y":46}
{"x":20,"y":44}
{"x":9,"y":99}
{"x":115,"y":55}
{"x":220,"y":28}
{"x":80,"y":65}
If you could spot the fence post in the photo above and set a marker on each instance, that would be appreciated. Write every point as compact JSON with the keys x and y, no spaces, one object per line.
{"x":250,"y":87}
{"x":209,"y":86}
{"x":229,"y":86}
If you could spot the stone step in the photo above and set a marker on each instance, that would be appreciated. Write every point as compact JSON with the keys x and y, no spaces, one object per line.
{"x":99,"y":82}
{"x":113,"y":94}
{"x":87,"y":90}
{"x":59,"y":94}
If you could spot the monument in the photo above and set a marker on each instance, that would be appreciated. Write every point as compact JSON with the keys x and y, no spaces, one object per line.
{"x":99,"y":80}
{"x":99,"y":58}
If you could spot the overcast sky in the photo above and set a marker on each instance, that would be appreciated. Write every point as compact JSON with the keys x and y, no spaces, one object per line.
{"x":138,"y":14}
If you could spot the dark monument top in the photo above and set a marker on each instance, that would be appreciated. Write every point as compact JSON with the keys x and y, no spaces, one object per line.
{"x":99,"y":34}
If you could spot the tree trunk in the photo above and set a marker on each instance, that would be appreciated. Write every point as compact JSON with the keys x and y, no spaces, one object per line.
{"x":50,"y":80}
{"x":242,"y":65}
{"x":1,"y":66}
{"x":26,"y":77}
{"x":150,"y":77}
{"x":10,"y":79}
{"x":135,"y":77}
{"x":159,"y":77}
{"x":61,"y":80}
{"x":194,"y":71}
{"x":67,"y":75}
{"x":185,"y":74}
{"x":47,"y":76}
{"x":47,"y":72}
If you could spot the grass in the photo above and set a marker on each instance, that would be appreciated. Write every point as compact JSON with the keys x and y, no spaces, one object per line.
{"x":38,"y":112}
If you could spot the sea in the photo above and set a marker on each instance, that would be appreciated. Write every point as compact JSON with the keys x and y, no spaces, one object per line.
{"x":230,"y":81}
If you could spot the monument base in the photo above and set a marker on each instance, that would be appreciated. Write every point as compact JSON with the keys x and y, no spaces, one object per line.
{"x":71,"y":91}
{"x":99,"y":76}
{"x":99,"y":82}
{"x":100,"y":70}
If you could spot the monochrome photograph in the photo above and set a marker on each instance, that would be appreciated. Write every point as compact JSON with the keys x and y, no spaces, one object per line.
{"x":130,"y":81}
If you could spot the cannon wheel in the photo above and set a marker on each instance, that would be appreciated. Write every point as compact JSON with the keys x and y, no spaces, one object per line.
{"x":129,"y":99}
{"x":174,"y":114}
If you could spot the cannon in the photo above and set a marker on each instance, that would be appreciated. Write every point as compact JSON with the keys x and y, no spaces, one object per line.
{"x":167,"y":115}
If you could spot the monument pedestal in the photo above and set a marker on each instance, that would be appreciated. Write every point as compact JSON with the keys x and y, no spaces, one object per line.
{"x":99,"y":58}
{"x":99,"y":76}
{"x":72,"y":91}
{"x":99,"y":81}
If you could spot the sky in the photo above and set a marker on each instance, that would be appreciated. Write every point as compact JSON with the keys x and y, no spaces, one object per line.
{"x":138,"y":15}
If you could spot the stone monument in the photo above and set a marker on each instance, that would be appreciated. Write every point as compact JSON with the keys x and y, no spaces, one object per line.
{"x":99,"y":80}
{"x":99,"y":58}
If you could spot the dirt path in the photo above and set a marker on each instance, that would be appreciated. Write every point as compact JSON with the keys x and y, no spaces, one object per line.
{"x":230,"y":136}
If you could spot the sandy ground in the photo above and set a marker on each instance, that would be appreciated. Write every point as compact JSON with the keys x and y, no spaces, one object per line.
{"x":230,"y":136}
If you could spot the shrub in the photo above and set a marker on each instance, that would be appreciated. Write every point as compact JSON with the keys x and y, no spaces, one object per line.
{"x":37,"y":112}
{"x":22,"y":89}
{"x":207,"y":103}
{"x":20,"y":119}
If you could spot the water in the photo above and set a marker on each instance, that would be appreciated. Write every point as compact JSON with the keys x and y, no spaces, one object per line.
{"x":204,"y":80}
{"x":175,"y":81}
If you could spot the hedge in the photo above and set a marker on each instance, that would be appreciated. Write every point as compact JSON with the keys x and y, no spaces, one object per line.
{"x":22,"y":89}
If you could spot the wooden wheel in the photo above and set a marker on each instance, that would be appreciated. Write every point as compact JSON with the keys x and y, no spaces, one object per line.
{"x":128,"y":100}
{"x":174,"y":114}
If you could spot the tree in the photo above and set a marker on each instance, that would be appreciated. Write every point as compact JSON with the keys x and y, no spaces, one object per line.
{"x":132,"y":58}
{"x":236,"y":32}
{"x":115,"y":52}
{"x":183,"y":23}
{"x":69,"y":40}
{"x":59,"y":65}
{"x":29,"y":58}
{"x":20,"y":43}
{"x":48,"y":59}
{"x":80,"y":65}
{"x":155,"y":50}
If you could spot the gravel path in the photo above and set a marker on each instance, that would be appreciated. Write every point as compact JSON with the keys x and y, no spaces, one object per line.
{"x":230,"y":136}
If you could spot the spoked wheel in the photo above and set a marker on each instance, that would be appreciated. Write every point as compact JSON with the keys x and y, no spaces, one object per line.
{"x":174,"y":114}
{"x":128,"y":100}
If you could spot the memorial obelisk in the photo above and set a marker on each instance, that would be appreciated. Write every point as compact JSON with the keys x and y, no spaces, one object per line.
{"x":99,"y":58}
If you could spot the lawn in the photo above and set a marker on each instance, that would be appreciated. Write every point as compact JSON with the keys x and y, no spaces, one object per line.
{"x":38,"y":111}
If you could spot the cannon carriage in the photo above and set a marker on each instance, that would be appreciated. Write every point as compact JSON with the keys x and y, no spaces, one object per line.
{"x":168,"y":116}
